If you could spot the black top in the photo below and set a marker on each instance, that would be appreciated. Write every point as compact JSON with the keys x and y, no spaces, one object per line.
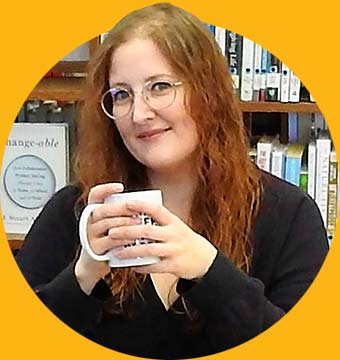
{"x":290,"y":245}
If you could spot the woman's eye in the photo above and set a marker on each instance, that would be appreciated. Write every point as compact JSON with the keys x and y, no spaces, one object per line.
{"x":120,"y":95}
{"x":161,"y":86}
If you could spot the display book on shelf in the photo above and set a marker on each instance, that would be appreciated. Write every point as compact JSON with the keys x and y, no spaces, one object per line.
{"x":64,"y":83}
{"x":309,"y":163}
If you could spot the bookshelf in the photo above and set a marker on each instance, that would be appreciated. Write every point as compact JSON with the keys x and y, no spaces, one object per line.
{"x":71,"y":89}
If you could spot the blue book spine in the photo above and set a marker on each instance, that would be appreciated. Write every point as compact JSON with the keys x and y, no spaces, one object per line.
{"x":264,"y":61}
{"x":293,"y":127}
{"x":292,"y":171}
{"x":211,"y":28}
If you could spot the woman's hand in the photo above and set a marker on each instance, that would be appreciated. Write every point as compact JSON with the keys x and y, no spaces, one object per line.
{"x":183,"y":252}
{"x":88,"y":271}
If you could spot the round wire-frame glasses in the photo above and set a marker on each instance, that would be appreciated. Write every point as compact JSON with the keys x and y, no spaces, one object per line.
{"x":117,"y":102}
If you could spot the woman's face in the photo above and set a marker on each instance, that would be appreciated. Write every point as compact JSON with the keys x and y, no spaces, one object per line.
{"x":162,"y":139}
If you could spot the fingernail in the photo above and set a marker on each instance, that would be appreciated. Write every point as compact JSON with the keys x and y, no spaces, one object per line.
{"x":119,"y":187}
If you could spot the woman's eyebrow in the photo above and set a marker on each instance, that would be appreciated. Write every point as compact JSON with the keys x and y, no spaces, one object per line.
{"x":149,"y":78}
{"x":119,"y":84}
{"x":157,"y":76}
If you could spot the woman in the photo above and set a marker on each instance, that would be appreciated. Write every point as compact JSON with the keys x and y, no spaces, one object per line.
{"x":235,"y":253}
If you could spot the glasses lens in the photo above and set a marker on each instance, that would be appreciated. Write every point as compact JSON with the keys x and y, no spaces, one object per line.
{"x":116,"y":103}
{"x":160,"y":94}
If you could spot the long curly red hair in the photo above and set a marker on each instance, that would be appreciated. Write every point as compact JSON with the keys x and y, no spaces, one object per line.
{"x":227,"y":197}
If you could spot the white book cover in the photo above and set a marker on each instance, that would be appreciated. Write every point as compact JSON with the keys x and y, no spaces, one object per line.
{"x":247,"y":71}
{"x":278,"y":161}
{"x":220,"y":37}
{"x":35,"y":165}
{"x":264,"y":150}
{"x":311,"y":168}
{"x":294,"y":88}
{"x":257,"y":72}
{"x":285,"y":79}
{"x":323,"y":150}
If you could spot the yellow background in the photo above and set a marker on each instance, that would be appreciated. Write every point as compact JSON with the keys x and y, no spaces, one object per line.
{"x":35,"y":35}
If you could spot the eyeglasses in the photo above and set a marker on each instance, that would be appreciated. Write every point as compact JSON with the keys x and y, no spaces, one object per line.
{"x":158,"y":94}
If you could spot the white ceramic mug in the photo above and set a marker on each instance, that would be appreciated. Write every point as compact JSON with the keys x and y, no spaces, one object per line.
{"x":154,"y":196}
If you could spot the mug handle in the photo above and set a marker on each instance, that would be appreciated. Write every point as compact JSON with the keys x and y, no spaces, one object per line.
{"x":83,"y":233}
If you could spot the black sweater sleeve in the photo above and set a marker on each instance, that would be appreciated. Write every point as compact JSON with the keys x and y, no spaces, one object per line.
{"x":47,"y":261}
{"x":238,"y":306}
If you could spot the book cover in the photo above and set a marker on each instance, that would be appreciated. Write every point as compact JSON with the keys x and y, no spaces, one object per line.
{"x":35,"y":165}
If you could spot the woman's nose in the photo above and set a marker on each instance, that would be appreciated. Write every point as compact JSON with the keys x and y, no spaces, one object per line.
{"x":141,"y":110}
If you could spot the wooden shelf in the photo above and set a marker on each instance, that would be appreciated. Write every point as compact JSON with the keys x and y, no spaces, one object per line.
{"x":70,"y":89}
{"x":15,"y":241}
{"x":70,"y":66}
{"x":64,"y":89}
{"x":279,"y":107}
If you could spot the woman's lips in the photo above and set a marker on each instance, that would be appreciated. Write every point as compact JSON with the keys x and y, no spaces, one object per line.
{"x":146,"y":135}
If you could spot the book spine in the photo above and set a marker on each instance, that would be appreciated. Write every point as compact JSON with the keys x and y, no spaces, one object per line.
{"x":323,"y":147}
{"x":294,"y":88}
{"x":285,"y":75}
{"x":220,"y":37}
{"x":311,"y":168}
{"x":257,"y":72}
{"x":264,"y":155}
{"x":247,"y":72}
{"x":278,"y":163}
{"x":332,"y":195}
{"x":263,"y":87}
{"x":292,"y":170}
{"x":293,"y":127}
{"x":273,"y":78}
{"x":234,"y":54}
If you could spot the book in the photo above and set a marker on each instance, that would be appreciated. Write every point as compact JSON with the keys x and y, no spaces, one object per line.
{"x":257,"y":72}
{"x":273,"y":78}
{"x":293,"y":163}
{"x":234,"y":56}
{"x":285,"y":78}
{"x":220,"y":37}
{"x":263,"y":86}
{"x":332,"y":195}
{"x":294,"y":88}
{"x":278,"y":160}
{"x":311,"y":154}
{"x":247,"y":70}
{"x":264,"y":149}
{"x":293,"y":128}
{"x":35,"y":165}
{"x":323,"y":149}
